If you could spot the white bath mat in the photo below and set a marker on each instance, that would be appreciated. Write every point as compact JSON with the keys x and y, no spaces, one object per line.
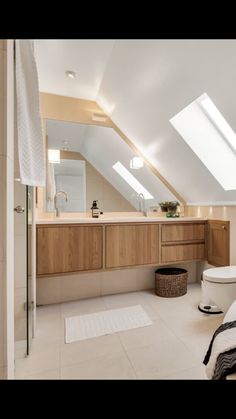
{"x":105,"y":323}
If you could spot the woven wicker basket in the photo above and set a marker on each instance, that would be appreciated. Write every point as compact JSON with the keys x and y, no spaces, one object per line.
{"x":171,"y":282}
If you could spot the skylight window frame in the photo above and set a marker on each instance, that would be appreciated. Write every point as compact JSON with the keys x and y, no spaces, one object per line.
{"x":218,"y":121}
{"x":131,"y":180}
{"x":207,"y":137}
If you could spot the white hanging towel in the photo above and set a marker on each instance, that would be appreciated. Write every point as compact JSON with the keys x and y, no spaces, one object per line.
{"x":51,"y":184}
{"x":29,"y":127}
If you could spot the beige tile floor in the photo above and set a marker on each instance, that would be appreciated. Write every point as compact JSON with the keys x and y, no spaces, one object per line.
{"x":173,"y":347}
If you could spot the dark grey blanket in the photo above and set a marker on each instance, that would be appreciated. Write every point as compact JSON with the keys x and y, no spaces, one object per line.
{"x":226,"y":361}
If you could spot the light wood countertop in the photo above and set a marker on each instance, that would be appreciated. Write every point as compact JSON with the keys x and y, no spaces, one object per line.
{"x":111,"y":220}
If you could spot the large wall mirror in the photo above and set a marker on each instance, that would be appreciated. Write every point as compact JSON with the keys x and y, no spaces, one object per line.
{"x":93,"y":163}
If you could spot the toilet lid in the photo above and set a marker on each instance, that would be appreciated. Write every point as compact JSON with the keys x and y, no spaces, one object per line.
{"x":226,"y":274}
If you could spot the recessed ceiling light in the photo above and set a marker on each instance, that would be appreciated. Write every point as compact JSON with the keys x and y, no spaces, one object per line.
{"x":70,"y":74}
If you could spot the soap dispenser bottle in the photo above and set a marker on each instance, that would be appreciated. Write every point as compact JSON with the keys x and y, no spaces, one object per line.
{"x":95,"y":209}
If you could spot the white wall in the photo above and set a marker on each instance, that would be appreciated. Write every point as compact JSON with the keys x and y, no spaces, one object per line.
{"x":57,"y":289}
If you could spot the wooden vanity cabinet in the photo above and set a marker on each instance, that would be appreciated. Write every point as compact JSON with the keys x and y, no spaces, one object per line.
{"x":131,"y":245}
{"x":218,"y":242}
{"x":183,"y":242}
{"x":182,"y":232}
{"x":63,"y":248}
{"x":76,"y":248}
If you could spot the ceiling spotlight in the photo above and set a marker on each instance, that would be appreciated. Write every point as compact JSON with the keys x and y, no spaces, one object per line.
{"x":70,"y":74}
{"x":136,"y":163}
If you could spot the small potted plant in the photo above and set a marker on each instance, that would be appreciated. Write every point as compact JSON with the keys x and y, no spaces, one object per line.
{"x":170,"y":207}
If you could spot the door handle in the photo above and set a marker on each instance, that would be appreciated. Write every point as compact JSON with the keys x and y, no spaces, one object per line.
{"x":30,"y":305}
{"x":223,"y":227}
{"x":19,"y":209}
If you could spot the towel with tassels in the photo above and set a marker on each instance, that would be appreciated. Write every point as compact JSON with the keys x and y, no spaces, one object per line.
{"x":220,"y":359}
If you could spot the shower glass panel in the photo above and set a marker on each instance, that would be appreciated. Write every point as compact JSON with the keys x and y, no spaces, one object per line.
{"x":29,"y":291}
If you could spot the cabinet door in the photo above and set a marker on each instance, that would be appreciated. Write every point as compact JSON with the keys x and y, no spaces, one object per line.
{"x":218,"y":242}
{"x":130,"y":245}
{"x":63,"y":249}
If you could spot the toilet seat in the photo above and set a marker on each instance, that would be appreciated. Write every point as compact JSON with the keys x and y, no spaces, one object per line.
{"x":222,"y":275}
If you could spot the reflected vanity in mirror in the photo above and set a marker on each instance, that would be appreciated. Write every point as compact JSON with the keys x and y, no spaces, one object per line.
{"x":94,"y":163}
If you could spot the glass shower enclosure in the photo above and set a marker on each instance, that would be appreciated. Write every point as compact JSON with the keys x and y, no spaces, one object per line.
{"x":29,"y":287}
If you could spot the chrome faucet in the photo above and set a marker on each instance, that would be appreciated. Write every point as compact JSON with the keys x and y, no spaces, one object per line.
{"x":142,"y":204}
{"x":55,"y":201}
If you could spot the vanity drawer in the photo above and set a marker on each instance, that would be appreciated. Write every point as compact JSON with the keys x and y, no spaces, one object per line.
{"x":181,"y":252}
{"x":182,"y":232}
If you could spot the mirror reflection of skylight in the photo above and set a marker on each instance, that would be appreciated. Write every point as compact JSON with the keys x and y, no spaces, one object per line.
{"x":131,"y":180}
{"x":211,"y":138}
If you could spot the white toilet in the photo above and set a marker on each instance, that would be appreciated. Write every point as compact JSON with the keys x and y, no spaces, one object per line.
{"x":218,"y":289}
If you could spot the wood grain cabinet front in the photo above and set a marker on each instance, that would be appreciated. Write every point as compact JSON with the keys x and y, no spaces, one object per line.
{"x":76,"y":248}
{"x":218,"y":239}
{"x":183,"y":252}
{"x":183,"y":242}
{"x":63,"y":248}
{"x":131,"y":245}
{"x":182,"y":232}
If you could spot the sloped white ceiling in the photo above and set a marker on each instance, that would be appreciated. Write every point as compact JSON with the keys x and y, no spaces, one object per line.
{"x":144,"y":83}
{"x":88,"y":59}
{"x":148,"y":82}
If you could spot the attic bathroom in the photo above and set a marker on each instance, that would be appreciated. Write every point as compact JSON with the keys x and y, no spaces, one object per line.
{"x":118,"y":212}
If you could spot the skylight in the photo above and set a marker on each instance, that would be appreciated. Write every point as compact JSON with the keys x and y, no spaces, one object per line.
{"x":211,"y":138}
{"x":131,"y":180}
{"x":218,"y":119}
